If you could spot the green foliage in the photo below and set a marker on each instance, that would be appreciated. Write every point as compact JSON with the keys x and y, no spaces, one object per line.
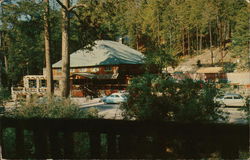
{"x":23,"y":23}
{"x":162,"y":29}
{"x":4,"y":95}
{"x":8,"y":140}
{"x":246,"y":109}
{"x":154,"y":97}
{"x":158,"y":59}
{"x":50,"y":108}
{"x":241,"y":36}
{"x":229,"y":67}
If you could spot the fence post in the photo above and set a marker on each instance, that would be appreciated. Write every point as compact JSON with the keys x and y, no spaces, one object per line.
{"x":112,"y":151}
{"x":1,"y":139}
{"x":68,"y":144}
{"x":54,"y":144}
{"x":41,"y":145}
{"x":230,"y":149}
{"x":159,"y":143}
{"x":95,"y":144}
{"x":124,"y":146}
{"x":20,"y":152}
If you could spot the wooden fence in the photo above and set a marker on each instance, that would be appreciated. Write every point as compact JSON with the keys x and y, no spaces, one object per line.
{"x":97,"y":138}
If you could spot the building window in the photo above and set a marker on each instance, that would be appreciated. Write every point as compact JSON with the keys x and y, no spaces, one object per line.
{"x":59,"y":70}
{"x":83,"y":69}
{"x":32,"y":83}
{"x":43,"y":83}
{"x":108,"y":68}
{"x":72,"y":70}
{"x":56,"y":83}
{"x":96,"y":69}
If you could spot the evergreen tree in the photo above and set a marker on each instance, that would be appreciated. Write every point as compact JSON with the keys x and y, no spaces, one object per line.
{"x":23,"y":24}
{"x":241,"y":35}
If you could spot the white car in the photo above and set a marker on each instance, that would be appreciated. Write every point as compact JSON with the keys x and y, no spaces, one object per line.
{"x":115,"y":98}
{"x":235,"y":100}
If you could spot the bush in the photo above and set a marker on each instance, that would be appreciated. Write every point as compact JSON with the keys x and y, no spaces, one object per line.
{"x":50,"y":108}
{"x":47,"y":108}
{"x":246,"y":109}
{"x":157,"y":97}
{"x":4,"y":95}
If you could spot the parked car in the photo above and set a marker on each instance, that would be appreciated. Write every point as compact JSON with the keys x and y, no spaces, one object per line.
{"x":230,"y":100}
{"x":115,"y":98}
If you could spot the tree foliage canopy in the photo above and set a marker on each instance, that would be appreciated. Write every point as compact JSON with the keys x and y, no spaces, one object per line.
{"x":154,"y":97}
{"x":158,"y":28}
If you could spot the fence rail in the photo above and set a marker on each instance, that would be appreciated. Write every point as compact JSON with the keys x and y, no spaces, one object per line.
{"x":98,"y":138}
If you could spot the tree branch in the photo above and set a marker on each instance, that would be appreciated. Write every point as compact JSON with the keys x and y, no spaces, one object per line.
{"x":71,"y":8}
{"x":62,"y":5}
{"x":78,"y":16}
{"x":76,"y":6}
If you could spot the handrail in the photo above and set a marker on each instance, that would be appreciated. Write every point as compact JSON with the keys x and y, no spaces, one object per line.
{"x":55,"y":138}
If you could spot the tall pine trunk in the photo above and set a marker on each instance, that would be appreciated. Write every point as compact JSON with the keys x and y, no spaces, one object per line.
{"x":200,"y":42}
{"x":65,"y":86}
{"x":6,"y":64}
{"x":229,"y":36}
{"x":183,"y":42}
{"x":170,"y":41}
{"x":220,"y":32}
{"x":188,"y":34}
{"x":49,"y":75}
{"x":211,"y":43}
{"x":158,"y":28}
{"x":0,"y":74}
{"x":197,"y":40}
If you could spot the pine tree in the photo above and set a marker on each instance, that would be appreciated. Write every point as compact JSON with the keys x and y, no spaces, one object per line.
{"x":49,"y":75}
{"x":241,"y":35}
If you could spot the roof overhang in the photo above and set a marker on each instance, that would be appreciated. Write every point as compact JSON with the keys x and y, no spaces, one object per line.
{"x":84,"y":74}
{"x":210,"y":70}
{"x":96,"y":76}
{"x":103,"y":53}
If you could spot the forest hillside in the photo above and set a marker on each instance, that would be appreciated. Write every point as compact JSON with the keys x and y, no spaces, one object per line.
{"x":229,"y":61}
{"x":166,"y":31}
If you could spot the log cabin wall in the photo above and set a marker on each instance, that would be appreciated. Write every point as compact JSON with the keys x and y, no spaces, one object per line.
{"x":106,"y":79}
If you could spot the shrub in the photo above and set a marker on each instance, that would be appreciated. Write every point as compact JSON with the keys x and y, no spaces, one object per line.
{"x":4,"y":95}
{"x":50,"y":108}
{"x":246,"y":109}
{"x":47,"y":108}
{"x":157,"y":97}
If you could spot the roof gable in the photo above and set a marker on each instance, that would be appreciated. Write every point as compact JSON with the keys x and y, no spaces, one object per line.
{"x":105,"y":52}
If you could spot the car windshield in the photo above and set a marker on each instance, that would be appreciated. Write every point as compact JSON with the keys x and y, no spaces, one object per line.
{"x":220,"y":96}
{"x":124,"y":96}
{"x":238,"y":97}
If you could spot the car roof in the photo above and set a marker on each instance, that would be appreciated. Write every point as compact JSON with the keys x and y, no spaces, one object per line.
{"x":117,"y":93}
{"x":231,"y":94}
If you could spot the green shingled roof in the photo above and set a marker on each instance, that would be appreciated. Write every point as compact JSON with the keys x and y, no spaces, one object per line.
{"x":104,"y":52}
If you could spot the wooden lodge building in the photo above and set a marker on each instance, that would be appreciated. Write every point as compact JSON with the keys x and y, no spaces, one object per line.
{"x":106,"y":68}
